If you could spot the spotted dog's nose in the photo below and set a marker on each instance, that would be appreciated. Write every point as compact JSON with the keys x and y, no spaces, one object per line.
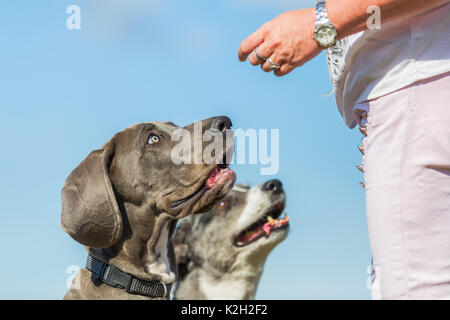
{"x":273,"y":185}
{"x":221,"y":123}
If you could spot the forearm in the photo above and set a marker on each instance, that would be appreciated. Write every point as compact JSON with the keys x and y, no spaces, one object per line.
{"x":288,"y":40}
{"x":350,"y":17}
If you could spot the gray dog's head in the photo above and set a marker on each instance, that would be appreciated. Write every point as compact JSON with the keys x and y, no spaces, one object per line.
{"x":132,"y":181}
{"x":247,"y":224}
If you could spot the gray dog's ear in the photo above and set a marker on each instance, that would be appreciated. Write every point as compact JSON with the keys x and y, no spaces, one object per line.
{"x":90,"y":213}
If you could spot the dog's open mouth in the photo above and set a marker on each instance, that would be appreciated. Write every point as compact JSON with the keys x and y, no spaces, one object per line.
{"x":219,"y":174}
{"x":263,"y":227}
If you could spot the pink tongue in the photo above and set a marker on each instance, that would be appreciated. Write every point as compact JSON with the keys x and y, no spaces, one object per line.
{"x":213,"y":177}
{"x":267,"y":227}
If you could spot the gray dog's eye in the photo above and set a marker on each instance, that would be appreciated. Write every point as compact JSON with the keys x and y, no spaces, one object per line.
{"x":152,"y":139}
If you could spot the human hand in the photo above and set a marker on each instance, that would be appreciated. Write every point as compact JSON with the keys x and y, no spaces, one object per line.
{"x":287,"y":40}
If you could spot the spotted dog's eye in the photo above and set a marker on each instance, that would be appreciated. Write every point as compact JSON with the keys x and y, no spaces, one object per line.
{"x":152,"y":139}
{"x":223,"y":205}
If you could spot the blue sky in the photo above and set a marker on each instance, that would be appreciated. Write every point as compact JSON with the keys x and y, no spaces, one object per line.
{"x":66,"y":92}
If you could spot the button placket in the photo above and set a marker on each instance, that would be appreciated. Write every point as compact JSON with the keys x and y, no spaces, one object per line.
{"x":361,"y":148}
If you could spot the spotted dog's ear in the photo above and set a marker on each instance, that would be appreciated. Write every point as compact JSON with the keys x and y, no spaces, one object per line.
{"x":90,"y":213}
{"x":182,"y":246}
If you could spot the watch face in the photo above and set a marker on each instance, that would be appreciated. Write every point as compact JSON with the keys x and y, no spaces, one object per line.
{"x":326,"y":35}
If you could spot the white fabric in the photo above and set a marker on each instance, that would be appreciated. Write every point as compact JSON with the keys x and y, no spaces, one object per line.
{"x":374,"y":63}
{"x":406,"y":165}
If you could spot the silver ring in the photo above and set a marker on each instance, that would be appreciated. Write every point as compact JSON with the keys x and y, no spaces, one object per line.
{"x":272,"y":65}
{"x":258,"y":56}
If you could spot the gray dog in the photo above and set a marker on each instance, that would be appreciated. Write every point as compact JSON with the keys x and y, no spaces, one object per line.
{"x":123,"y":201}
{"x":221,"y":254}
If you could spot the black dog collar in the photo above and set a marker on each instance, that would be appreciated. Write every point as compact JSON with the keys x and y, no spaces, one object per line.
{"x":116,"y":278}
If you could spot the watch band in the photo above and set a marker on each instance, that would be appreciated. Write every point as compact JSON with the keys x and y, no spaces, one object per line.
{"x":321,"y":12}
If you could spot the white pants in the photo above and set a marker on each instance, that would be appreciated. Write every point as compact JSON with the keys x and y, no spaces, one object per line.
{"x":407,"y":180}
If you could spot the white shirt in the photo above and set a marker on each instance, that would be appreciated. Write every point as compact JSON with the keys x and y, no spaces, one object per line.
{"x":373,"y":63}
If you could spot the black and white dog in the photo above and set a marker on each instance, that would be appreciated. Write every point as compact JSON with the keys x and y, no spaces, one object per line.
{"x":221,"y":254}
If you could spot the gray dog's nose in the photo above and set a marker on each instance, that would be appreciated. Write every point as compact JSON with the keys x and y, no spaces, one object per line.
{"x":273,"y":185}
{"x":221,"y":123}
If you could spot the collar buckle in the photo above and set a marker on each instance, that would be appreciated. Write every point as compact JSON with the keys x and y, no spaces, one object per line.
{"x":116,"y":278}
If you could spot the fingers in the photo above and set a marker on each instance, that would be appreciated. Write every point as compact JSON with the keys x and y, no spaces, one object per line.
{"x":269,"y":64}
{"x":263,"y":51}
{"x":266,"y":67}
{"x":286,"y":57}
{"x":249,"y":44}
{"x":284,"y":70}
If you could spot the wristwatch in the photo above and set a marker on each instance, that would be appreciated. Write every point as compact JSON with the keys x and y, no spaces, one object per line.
{"x":325,"y":33}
